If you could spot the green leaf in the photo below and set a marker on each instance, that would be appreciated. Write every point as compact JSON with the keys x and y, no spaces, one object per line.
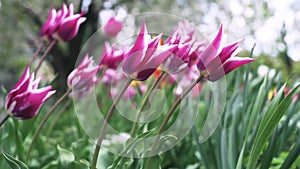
{"x":240,"y":160}
{"x":293,"y":155}
{"x":65,"y":156}
{"x":14,"y":163}
{"x":268,"y":123}
{"x":257,"y":106}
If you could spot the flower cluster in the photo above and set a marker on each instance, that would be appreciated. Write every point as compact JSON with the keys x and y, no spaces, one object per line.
{"x":183,"y":54}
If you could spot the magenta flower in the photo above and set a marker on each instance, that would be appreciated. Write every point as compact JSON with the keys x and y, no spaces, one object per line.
{"x":82,"y":79}
{"x":62,"y":25}
{"x":188,"y":47}
{"x":216,"y":61}
{"x":25,"y":99}
{"x":145,"y":56}
{"x":111,"y":58}
{"x":113,"y":27}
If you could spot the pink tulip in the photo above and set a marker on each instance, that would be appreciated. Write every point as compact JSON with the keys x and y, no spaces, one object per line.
{"x":111,"y":58}
{"x":187,"y":50}
{"x":82,"y":79}
{"x":112,"y":27}
{"x":145,"y":56}
{"x":25,"y":99}
{"x":62,"y":25}
{"x":216,"y":61}
{"x":111,"y":77}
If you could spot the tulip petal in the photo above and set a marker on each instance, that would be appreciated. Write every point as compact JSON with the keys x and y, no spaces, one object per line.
{"x":228,"y":50}
{"x":69,"y":27}
{"x":211,"y":51}
{"x":236,"y":62}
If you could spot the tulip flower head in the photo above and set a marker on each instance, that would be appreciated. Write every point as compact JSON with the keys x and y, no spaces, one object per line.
{"x":141,"y":61}
{"x":25,"y":99}
{"x":111,"y":58}
{"x":187,"y":48}
{"x":82,"y":79}
{"x":113,"y":27}
{"x":62,"y":25}
{"x":216,"y":61}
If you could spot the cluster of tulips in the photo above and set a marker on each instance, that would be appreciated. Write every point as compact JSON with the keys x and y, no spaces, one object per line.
{"x":149,"y":56}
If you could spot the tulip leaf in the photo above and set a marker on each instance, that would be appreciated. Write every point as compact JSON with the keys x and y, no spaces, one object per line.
{"x":240,"y":159}
{"x":258,"y":105}
{"x":268,"y":123}
{"x":292,"y":156}
{"x":13,"y":163}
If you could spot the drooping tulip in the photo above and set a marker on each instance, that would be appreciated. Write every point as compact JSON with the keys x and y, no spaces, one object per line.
{"x":25,"y":99}
{"x":83,"y":78}
{"x":113,"y":27}
{"x":62,"y":25}
{"x":218,"y":60}
{"x":145,"y":56}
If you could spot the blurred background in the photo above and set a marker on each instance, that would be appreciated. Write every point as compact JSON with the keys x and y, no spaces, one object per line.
{"x":274,"y":26}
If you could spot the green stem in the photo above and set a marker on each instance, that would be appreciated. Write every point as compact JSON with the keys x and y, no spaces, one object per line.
{"x":143,"y":106}
{"x":168,"y":116}
{"x":105,"y":123}
{"x":50,"y":112}
{"x":45,"y":55}
{"x":57,"y":117}
{"x":4,"y":119}
{"x":35,"y":55}
{"x":135,"y":125}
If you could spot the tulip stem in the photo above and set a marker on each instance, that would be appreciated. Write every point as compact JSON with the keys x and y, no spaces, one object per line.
{"x":50,"y":112}
{"x":143,"y":106}
{"x":4,"y":119}
{"x":35,"y":55}
{"x":53,"y":42}
{"x":168,"y":116}
{"x":105,"y":123}
{"x":57,"y":117}
{"x":135,"y":125}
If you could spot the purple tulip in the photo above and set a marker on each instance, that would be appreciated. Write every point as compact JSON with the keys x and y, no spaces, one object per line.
{"x":216,"y":61}
{"x":145,"y":56}
{"x":187,"y":50}
{"x":25,"y":99}
{"x":111,"y":58}
{"x":62,"y":25}
{"x":82,"y":79}
{"x":113,"y":27}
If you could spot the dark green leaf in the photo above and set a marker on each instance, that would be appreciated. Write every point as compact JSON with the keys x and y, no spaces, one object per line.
{"x":13,"y":163}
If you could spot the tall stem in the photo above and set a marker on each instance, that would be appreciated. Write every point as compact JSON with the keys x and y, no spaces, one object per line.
{"x":57,"y":117}
{"x":6,"y":117}
{"x":50,"y":112}
{"x":105,"y":123}
{"x":168,"y":116}
{"x":35,"y":55}
{"x":45,"y":55}
{"x":143,"y":106}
